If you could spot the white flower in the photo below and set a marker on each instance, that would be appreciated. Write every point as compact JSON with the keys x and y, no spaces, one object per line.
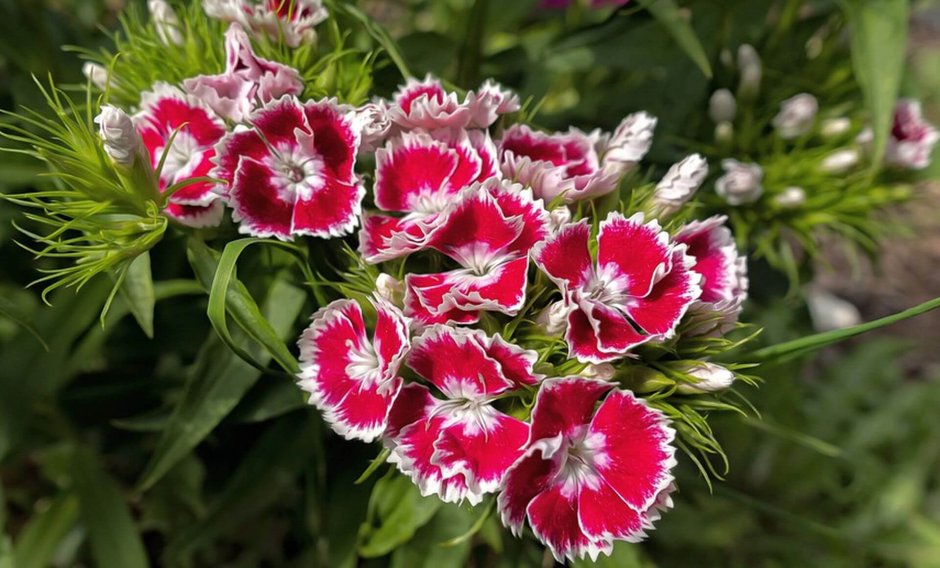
{"x":121,"y":140}
{"x":679,"y":184}
{"x":165,"y":21}
{"x":722,"y":106}
{"x":741,"y":182}
{"x":840,"y":161}
{"x":829,"y":312}
{"x":629,"y":143}
{"x":554,"y":319}
{"x":711,"y":378}
{"x":796,"y":116}
{"x":97,"y":74}
{"x":791,"y":197}
{"x":833,"y":128}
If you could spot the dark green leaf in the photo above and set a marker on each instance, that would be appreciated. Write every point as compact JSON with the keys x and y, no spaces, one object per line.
{"x":625,"y":555}
{"x":218,"y":381}
{"x":114,"y":537}
{"x":879,"y":41}
{"x":12,"y":312}
{"x":400,"y":510}
{"x":269,"y":399}
{"x":39,"y":540}
{"x":137,"y":290}
{"x":667,"y":14}
{"x":425,"y":549}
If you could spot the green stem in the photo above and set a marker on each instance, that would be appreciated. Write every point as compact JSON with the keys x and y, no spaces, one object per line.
{"x":468,"y":67}
{"x":790,"y":349}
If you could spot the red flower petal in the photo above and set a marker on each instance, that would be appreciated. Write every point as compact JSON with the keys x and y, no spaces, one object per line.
{"x":528,"y":477}
{"x":335,"y":138}
{"x":716,"y":258}
{"x":553,"y":515}
{"x":413,"y":174}
{"x":257,"y":204}
{"x":425,"y":296}
{"x":454,"y":361}
{"x":638,"y":453}
{"x":603,"y":515}
{"x":385,"y":238}
{"x":660,"y":311}
{"x":564,"y":256}
{"x":581,"y":336}
{"x":332,"y":211}
{"x":517,"y":364}
{"x":351,"y":379}
{"x":425,"y":104}
{"x":197,"y":216}
{"x":564,"y":405}
{"x":413,"y":403}
{"x":615,"y":333}
{"x":638,"y":251}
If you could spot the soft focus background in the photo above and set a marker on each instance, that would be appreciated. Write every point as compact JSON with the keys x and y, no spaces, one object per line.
{"x":842,"y":468}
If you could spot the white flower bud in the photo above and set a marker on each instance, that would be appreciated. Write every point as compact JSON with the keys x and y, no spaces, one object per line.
{"x":121,"y":140}
{"x":751,"y":70}
{"x":796,"y":116}
{"x":741,"y":182}
{"x":679,"y":184}
{"x":834,"y":128}
{"x":554,"y":319}
{"x":390,"y":289}
{"x":829,"y":312}
{"x":97,"y":74}
{"x":165,"y":22}
{"x":374,"y":123}
{"x":791,"y":197}
{"x":629,"y":142}
{"x":559,"y":216}
{"x":722,"y":106}
{"x":711,"y":378}
{"x":601,"y":371}
{"x":840,"y":161}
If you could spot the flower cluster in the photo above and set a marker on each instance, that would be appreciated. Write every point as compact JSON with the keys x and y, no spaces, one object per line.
{"x":495,"y":351}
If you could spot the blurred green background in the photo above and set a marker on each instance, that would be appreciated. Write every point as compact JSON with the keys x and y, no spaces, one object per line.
{"x":841,"y":469}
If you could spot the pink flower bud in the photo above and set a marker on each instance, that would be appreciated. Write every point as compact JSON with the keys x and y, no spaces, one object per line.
{"x":741,"y":182}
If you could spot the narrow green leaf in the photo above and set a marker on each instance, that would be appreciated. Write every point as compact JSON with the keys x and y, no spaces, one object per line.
{"x":667,"y":14}
{"x":379,"y":34}
{"x":425,"y":550}
{"x":267,"y":471}
{"x":374,"y":465}
{"x":790,"y":349}
{"x":111,"y":530}
{"x":269,"y":399}
{"x":401,"y":510}
{"x":137,"y":291}
{"x":216,"y":384}
{"x":879,"y":41}
{"x":38,"y":541}
{"x":12,"y":312}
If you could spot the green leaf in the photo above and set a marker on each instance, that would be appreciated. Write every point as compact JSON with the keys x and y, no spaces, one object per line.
{"x":269,"y":399}
{"x":790,"y":349}
{"x":400,"y":510}
{"x":378,"y":33}
{"x":12,"y":312}
{"x":137,"y":290}
{"x":425,"y":549}
{"x":216,"y":384}
{"x":625,"y":555}
{"x":667,"y":14}
{"x":879,"y":41}
{"x":39,"y":540}
{"x":114,"y":537}
{"x":267,"y":471}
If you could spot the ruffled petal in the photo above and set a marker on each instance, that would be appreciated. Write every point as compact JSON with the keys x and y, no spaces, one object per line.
{"x":335,"y":137}
{"x":455,"y":361}
{"x":384,"y":238}
{"x":475,"y":230}
{"x":659,"y":312}
{"x":553,"y":516}
{"x":716,"y":258}
{"x":331,"y":211}
{"x":425,"y":104}
{"x":615,"y":333}
{"x":564,"y":256}
{"x":425,"y":296}
{"x":528,"y":477}
{"x":565,"y":405}
{"x":582,"y":340}
{"x":604,"y":516}
{"x":633,"y":249}
{"x":413,"y":173}
{"x":517,"y":364}
{"x":257,"y":203}
{"x":196,"y":216}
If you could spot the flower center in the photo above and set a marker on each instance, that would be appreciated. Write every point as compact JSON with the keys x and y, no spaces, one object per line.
{"x":297,"y":175}
{"x":364,"y":364}
{"x":583,"y":454}
{"x":182,"y":157}
{"x":607,"y":287}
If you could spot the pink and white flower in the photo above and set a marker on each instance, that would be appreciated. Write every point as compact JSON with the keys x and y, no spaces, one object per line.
{"x":292,"y":172}
{"x":168,"y":114}
{"x":353,"y":378}
{"x":488,"y":232}
{"x":638,"y":289}
{"x":427,"y":105}
{"x":724,"y":275}
{"x":912,"y":138}
{"x":575,"y":164}
{"x":419,"y":174}
{"x":248,"y":81}
{"x":459,"y":447}
{"x":294,"y":21}
{"x":589,"y":478}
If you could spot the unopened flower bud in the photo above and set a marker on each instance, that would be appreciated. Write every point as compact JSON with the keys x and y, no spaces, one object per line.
{"x":722,"y":106}
{"x":796,"y":116}
{"x":629,"y":142}
{"x":840,"y":161}
{"x":559,"y":216}
{"x":374,"y":123}
{"x":553,"y":319}
{"x":97,"y":74}
{"x":121,"y":140}
{"x":710,"y":377}
{"x":165,"y":22}
{"x":829,"y":312}
{"x":751,"y":70}
{"x":724,"y":133}
{"x":679,"y":184}
{"x":791,"y":197}
{"x":389,"y":288}
{"x":741,"y":183}
{"x":601,"y":371}
{"x":834,"y":128}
